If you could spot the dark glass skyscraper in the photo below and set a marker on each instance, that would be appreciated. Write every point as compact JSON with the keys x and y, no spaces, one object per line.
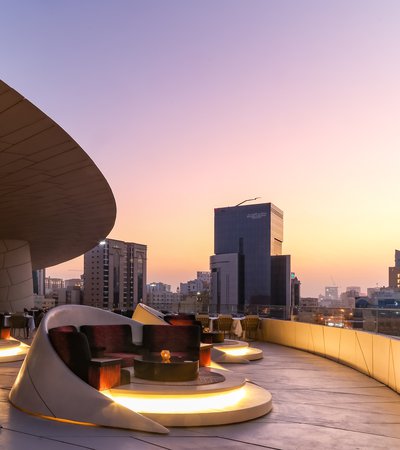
{"x":246,"y":238}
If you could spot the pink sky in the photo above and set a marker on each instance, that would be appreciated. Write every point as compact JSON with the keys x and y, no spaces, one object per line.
{"x":188,"y":106}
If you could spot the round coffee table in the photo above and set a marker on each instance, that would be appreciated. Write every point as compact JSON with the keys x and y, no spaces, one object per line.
{"x":212,"y":337}
{"x":178,"y":369}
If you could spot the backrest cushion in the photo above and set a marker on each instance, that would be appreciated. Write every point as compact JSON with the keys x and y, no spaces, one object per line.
{"x":181,"y":316}
{"x":184,"y":338}
{"x":179,"y":321}
{"x":112,"y":338}
{"x":66,"y":328}
{"x":73,"y":349}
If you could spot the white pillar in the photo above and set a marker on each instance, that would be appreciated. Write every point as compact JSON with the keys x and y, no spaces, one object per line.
{"x":16,"y":285}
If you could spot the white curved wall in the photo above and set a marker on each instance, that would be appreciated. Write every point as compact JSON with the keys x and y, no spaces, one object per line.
{"x":375,"y":355}
{"x":16,"y":286}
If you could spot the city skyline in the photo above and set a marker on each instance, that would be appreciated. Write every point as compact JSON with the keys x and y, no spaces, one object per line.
{"x":186,"y":107}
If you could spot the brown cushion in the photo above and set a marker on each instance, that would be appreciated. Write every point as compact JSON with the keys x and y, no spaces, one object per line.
{"x":73,"y":349}
{"x":127,"y":358}
{"x":112,"y":338}
{"x":184,"y":339}
{"x":67,"y":328}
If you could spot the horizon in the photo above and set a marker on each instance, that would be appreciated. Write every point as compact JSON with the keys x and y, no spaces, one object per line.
{"x":189,"y":106}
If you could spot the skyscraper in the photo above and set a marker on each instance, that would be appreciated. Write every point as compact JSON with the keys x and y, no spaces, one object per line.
{"x":248,"y":266}
{"x":115,"y":274}
{"x":394,"y":272}
{"x":38,"y":278}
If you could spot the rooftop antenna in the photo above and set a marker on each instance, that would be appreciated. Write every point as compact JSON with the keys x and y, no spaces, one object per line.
{"x":248,"y":200}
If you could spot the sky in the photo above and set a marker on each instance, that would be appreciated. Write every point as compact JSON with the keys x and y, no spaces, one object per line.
{"x":186,"y":106}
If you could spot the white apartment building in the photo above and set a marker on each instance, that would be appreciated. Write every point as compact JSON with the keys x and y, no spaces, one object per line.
{"x":160,"y":297}
{"x":115,"y":275}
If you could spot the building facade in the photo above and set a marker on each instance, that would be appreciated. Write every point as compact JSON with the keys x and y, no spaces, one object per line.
{"x":295,"y":290}
{"x":225,"y":282}
{"x":115,"y":275}
{"x":71,"y":295}
{"x":73,"y":282}
{"x":52,"y":286}
{"x":248,"y":267}
{"x":331,"y":293}
{"x":160,"y":297}
{"x":394,"y":272}
{"x":38,"y":277}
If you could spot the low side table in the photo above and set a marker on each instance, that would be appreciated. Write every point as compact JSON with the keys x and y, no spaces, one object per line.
{"x":5,"y":333}
{"x":105,"y":373}
{"x":205,"y":354}
{"x":152,"y":368}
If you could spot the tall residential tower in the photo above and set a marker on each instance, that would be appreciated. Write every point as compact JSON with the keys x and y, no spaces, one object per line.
{"x":394,"y":272}
{"x":115,"y":275}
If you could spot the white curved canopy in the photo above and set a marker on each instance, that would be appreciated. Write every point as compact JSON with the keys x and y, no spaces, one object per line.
{"x":51,"y":193}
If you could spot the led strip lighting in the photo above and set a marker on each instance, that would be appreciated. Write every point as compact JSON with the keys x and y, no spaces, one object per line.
{"x":175,"y":404}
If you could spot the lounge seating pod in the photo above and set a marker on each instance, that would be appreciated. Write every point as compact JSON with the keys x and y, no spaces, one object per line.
{"x":46,"y":387}
{"x":228,"y":352}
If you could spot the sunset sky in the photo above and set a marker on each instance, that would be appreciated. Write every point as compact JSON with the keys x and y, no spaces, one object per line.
{"x":186,"y":106}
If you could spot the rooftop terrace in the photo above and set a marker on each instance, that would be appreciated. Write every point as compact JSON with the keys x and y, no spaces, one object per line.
{"x":317,"y":403}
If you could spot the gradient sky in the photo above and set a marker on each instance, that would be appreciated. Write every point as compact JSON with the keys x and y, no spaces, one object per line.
{"x":190,"y":105}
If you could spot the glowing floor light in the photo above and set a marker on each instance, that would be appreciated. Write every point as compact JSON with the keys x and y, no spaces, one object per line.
{"x":13,"y":350}
{"x":235,"y":351}
{"x":179,"y":404}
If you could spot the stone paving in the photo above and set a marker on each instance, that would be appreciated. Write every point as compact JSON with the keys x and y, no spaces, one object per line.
{"x":317,"y":404}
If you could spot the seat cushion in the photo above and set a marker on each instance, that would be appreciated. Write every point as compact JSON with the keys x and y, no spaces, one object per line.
{"x":127,"y":358}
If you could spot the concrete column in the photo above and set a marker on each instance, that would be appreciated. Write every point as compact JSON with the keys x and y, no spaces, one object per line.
{"x":16,"y":285}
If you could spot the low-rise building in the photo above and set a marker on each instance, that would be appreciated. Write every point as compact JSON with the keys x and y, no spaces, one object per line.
{"x":160,"y":297}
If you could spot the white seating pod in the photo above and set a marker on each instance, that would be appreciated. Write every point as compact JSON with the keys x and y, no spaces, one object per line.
{"x":148,"y":316}
{"x":228,"y":352}
{"x":46,"y":387}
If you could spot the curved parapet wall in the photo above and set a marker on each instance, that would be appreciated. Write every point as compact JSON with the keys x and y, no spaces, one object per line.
{"x":46,"y":387}
{"x":375,"y":355}
{"x":52,"y":196}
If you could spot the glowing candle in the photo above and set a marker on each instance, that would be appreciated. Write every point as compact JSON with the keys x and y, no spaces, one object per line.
{"x":165,"y":355}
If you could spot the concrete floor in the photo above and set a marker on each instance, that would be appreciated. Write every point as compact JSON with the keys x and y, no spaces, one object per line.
{"x":317,"y":404}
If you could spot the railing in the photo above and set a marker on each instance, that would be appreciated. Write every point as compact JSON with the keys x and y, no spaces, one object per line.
{"x":378,"y":320}
{"x":272,"y":311}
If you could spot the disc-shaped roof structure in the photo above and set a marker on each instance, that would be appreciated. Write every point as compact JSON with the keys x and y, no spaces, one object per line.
{"x":52,"y":195}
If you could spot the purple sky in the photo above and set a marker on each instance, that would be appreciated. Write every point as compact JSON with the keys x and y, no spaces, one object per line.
{"x":190,"y":105}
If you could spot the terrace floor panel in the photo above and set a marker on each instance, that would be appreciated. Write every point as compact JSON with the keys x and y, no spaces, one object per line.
{"x":317,"y":404}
